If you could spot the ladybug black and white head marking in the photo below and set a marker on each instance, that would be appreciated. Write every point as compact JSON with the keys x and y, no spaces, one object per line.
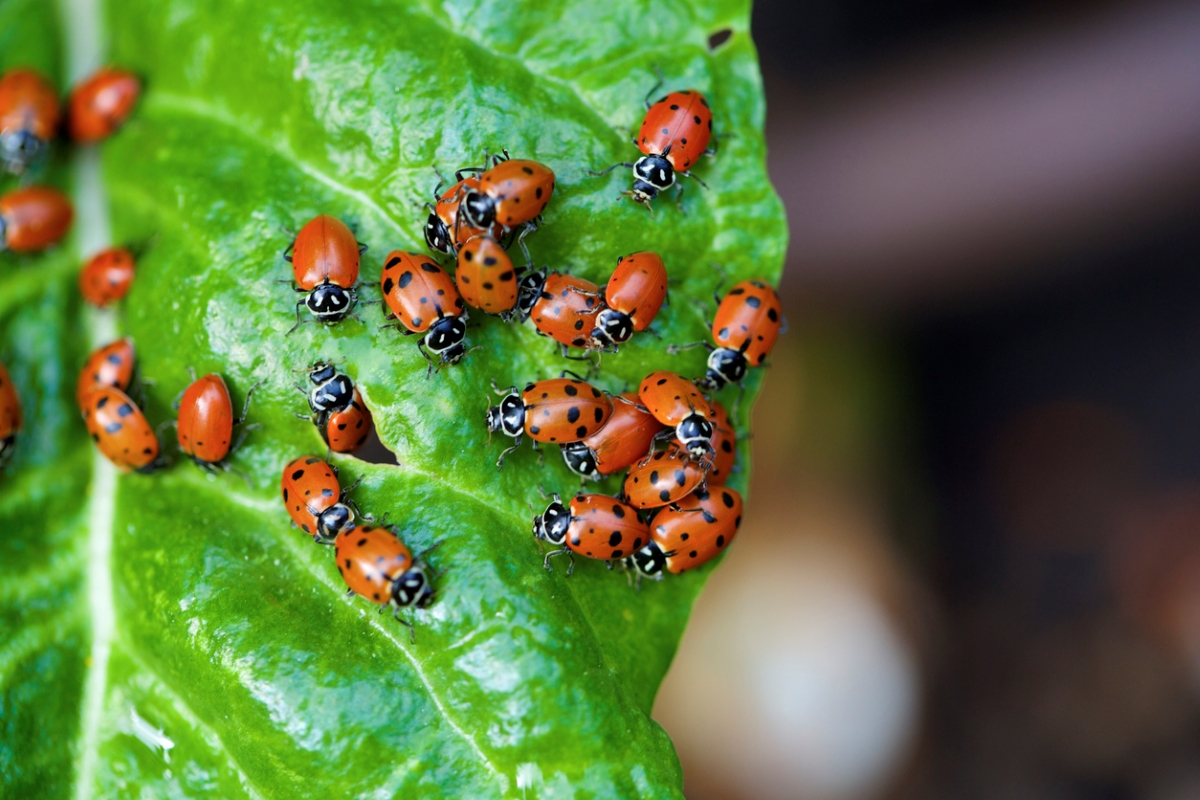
{"x":19,"y":149}
{"x":725,"y":365}
{"x":437,"y":234}
{"x":334,"y":390}
{"x":333,"y":521}
{"x":552,"y":524}
{"x":613,"y":328}
{"x":695,"y":433}
{"x":329,"y":302}
{"x":412,"y":589}
{"x":509,"y":416}
{"x":445,"y":338}
{"x":478,"y":210}
{"x":529,"y":290}
{"x":651,"y":175}
{"x":581,"y":460}
{"x":649,"y":561}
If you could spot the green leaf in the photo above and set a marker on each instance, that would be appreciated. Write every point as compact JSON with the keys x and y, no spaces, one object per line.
{"x":184,"y":606}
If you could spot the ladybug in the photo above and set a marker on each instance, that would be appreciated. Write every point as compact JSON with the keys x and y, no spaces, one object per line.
{"x":632,"y":298}
{"x":724,"y":443}
{"x":10,"y":416}
{"x":690,"y":533}
{"x":675,"y":132}
{"x":315,"y":500}
{"x":665,"y":477}
{"x":559,"y":410}
{"x":100,"y":105}
{"x":347,"y":430}
{"x":513,"y":192}
{"x":111,"y":365}
{"x":29,"y":117}
{"x":566,"y":310}
{"x":486,"y":277}
{"x":120,"y":430}
{"x":205,"y":425}
{"x":107,"y":276}
{"x":592,"y":525}
{"x":333,"y":391}
{"x":626,"y":438}
{"x":325,"y":258}
{"x":675,"y":401}
{"x":33,"y":218}
{"x":420,"y":294}
{"x":443,"y":234}
{"x":376,"y":564}
{"x":749,"y":319}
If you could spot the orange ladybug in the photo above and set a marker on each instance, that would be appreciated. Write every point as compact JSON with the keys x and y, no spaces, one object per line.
{"x":107,"y":276}
{"x":632,"y":298}
{"x":443,"y":233}
{"x":325,"y":259}
{"x":665,"y":477}
{"x":423,"y":298}
{"x":626,"y":438}
{"x":675,"y":401}
{"x":347,"y":430}
{"x":674,"y":133}
{"x":749,"y":319}
{"x":206,"y":423}
{"x":29,"y":117}
{"x":10,"y":416}
{"x":377,"y":565}
{"x":592,"y":525}
{"x":486,"y":277}
{"x":100,"y":105}
{"x":513,"y":192}
{"x":120,"y":430}
{"x":559,"y":410}
{"x":33,"y":218}
{"x":111,"y":365}
{"x":690,"y":533}
{"x":315,"y":499}
{"x":566,"y":310}
{"x":724,"y":443}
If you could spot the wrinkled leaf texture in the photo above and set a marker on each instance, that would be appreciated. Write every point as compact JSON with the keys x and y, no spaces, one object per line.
{"x":230,"y":630}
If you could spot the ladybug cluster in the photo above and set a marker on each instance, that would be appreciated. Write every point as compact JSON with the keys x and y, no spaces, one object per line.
{"x":671,"y":439}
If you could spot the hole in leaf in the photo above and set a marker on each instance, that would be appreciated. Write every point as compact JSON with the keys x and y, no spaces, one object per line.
{"x":373,"y":451}
{"x":719,"y":38}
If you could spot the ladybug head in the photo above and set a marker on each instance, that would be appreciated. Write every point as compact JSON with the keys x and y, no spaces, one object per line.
{"x":509,"y":416}
{"x":695,"y":432}
{"x":19,"y":148}
{"x":437,"y":234}
{"x":552,"y":524}
{"x":412,"y":588}
{"x":528,"y":292}
{"x":445,"y":339}
{"x":335,"y":393}
{"x":581,"y":460}
{"x":612,"y":328}
{"x":651,"y":175}
{"x":329,"y":302}
{"x":725,"y":365}
{"x":650,"y":560}
{"x":478,"y":210}
{"x":333,"y":521}
{"x":320,"y":373}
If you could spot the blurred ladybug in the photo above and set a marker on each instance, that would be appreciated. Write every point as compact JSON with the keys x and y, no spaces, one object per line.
{"x":33,"y":218}
{"x":566,"y":310}
{"x":690,"y":533}
{"x":675,"y":132}
{"x":676,"y":402}
{"x":559,"y":410}
{"x":632,"y":298}
{"x":443,"y":233}
{"x":332,"y":391}
{"x":29,"y":117}
{"x":120,"y":430}
{"x":10,"y":416}
{"x":205,"y":425}
{"x":627,"y":437}
{"x":665,"y":477}
{"x":592,"y":525}
{"x":347,"y":430}
{"x":325,"y":258}
{"x":724,"y":443}
{"x":749,"y":319}
{"x":377,"y":565}
{"x":111,"y":365}
{"x":422,"y":297}
{"x":512,"y":193}
{"x":315,"y":499}
{"x":100,"y":105}
{"x":486,"y":277}
{"x":107,"y":276}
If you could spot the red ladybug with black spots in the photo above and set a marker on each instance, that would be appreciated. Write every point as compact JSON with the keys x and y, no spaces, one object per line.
{"x":315,"y":499}
{"x":690,"y":533}
{"x":377,"y":565}
{"x":423,"y":299}
{"x":443,"y":233}
{"x":101,"y":104}
{"x":33,"y":218}
{"x":632,"y":298}
{"x":120,"y":430}
{"x":347,"y":430}
{"x":486,"y":277}
{"x":749,"y":319}
{"x":206,"y":422}
{"x":514,"y":192}
{"x":325,"y":260}
{"x":559,"y":411}
{"x":111,"y":365}
{"x":626,"y":438}
{"x":677,"y":402}
{"x":591,"y":525}
{"x":107,"y":276}
{"x":566,"y":309}
{"x":664,"y":477}
{"x":29,"y":117}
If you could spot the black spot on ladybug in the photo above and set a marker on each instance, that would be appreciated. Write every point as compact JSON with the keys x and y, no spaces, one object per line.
{"x":683,"y":537}
{"x":581,"y":431}
{"x":680,"y":477}
{"x":538,"y":193}
{"x":469,"y":255}
{"x":615,"y":539}
{"x":572,"y":414}
{"x":102,"y":402}
{"x":618,"y":512}
{"x":487,"y":286}
{"x":405,"y":278}
{"x":463,"y":277}
{"x":723,"y":333}
{"x":534,"y":430}
{"x":753,"y":301}
{"x":692,"y":554}
{"x":375,"y":596}
{"x":388,"y":285}
{"x":727,"y":499}
{"x":298,"y":474}
{"x":727,"y":446}
{"x":661,"y":381}
{"x":578,"y":324}
{"x":124,"y":410}
{"x":696,"y":119}
{"x":720,"y":541}
{"x":416,"y":322}
{"x":526,"y":170}
{"x":665,"y":496}
{"x":429,"y":266}
{"x":349,"y":563}
{"x":113,"y":358}
{"x":654,"y":476}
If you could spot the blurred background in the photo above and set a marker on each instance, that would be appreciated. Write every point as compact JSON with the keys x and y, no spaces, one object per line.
{"x":971,"y":564}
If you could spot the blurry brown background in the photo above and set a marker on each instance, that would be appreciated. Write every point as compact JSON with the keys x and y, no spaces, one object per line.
{"x":971,"y":565}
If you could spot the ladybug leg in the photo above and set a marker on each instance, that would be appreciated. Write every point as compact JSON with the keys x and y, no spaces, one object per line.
{"x":625,"y":164}
{"x":243,"y":433}
{"x":287,"y":251}
{"x":688,"y":174}
{"x":428,"y":358}
{"x":500,"y":461}
{"x":553,"y":553}
{"x":526,"y":229}
{"x":675,"y":349}
{"x":619,"y":398}
{"x":412,"y":631}
{"x":246,"y":404}
{"x":654,"y":88}
{"x":299,"y":321}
